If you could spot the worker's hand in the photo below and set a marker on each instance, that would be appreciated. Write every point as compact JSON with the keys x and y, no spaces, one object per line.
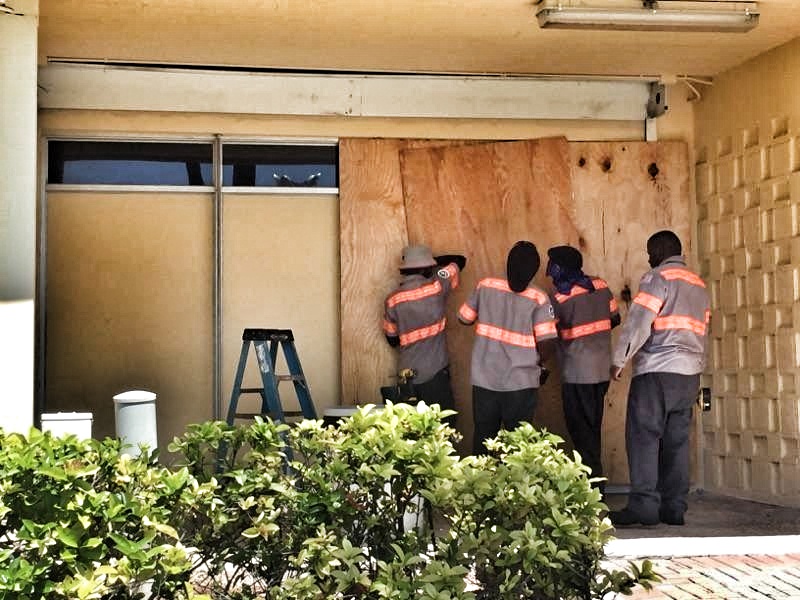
{"x":616,"y":373}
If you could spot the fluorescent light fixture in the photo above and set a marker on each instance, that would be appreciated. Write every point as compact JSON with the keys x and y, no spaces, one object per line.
{"x":678,"y":15}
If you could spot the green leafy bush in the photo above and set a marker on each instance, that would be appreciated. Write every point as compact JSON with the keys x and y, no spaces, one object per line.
{"x":79,"y":521}
{"x":379,"y":507}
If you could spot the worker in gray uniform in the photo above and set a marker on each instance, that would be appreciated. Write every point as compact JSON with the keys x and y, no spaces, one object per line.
{"x":665,"y":333}
{"x":414,"y":321}
{"x":586,"y":312}
{"x":514,"y":319}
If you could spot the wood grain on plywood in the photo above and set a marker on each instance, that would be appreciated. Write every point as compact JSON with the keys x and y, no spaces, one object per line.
{"x":479,"y":200}
{"x":372,"y":225}
{"x":625,"y":192}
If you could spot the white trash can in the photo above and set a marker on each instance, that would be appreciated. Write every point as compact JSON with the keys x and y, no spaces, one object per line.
{"x":64,"y":423}
{"x":135,"y":417}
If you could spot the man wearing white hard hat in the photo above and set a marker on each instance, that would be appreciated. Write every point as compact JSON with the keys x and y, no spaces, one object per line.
{"x":414,"y":321}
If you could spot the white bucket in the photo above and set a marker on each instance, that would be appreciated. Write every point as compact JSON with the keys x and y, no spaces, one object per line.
{"x":64,"y":423}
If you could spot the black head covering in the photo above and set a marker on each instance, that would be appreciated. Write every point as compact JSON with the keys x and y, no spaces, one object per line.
{"x":566,"y":269}
{"x":661,"y":246}
{"x":522,"y":264}
{"x":566,"y":257}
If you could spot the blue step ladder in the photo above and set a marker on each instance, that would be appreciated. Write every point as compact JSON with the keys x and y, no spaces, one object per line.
{"x":266,"y":342}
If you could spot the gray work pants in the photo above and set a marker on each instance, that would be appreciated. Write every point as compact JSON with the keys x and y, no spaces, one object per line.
{"x":657,"y":441}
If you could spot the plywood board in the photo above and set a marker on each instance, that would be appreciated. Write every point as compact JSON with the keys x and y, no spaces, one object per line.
{"x":478,"y":200}
{"x":625,"y":192}
{"x":372,"y":224}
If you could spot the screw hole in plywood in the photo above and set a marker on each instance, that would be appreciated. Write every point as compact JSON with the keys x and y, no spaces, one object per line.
{"x":652,"y":170}
{"x":605,"y":164}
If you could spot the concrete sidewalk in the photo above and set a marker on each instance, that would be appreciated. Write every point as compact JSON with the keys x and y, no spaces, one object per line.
{"x":729,"y":549}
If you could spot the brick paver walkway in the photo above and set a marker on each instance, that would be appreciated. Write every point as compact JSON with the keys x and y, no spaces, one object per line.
{"x":726,"y":577}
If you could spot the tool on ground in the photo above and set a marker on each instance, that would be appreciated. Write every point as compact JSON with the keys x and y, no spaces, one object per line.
{"x":266,"y":342}
{"x":403,"y":390}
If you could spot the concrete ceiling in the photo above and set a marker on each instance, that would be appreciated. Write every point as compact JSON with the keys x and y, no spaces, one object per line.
{"x":437,"y":36}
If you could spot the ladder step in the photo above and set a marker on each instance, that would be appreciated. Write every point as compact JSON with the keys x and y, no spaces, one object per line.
{"x":267,"y":342}
{"x":268,"y":335}
{"x":290,"y":378}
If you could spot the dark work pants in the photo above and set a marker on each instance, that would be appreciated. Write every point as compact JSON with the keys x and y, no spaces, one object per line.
{"x":657,"y":440}
{"x":583,"y":413}
{"x":438,"y":391}
{"x":492,"y":410}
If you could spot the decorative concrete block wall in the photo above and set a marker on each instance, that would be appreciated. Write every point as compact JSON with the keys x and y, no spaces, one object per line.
{"x":748,"y":205}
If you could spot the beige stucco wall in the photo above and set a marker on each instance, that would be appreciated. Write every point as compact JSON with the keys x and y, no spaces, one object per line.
{"x":18,"y":47}
{"x":747,"y":130}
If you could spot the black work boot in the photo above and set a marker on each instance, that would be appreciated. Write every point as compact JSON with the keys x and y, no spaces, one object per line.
{"x":628,"y":518}
{"x":670,"y":517}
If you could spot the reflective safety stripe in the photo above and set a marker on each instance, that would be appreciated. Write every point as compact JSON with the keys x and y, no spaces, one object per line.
{"x":649,"y":302}
{"x":708,"y":317}
{"x":453,"y":271}
{"x":680,"y":322}
{"x":543,"y":329}
{"x":467,"y":313}
{"x":502,"y":285}
{"x":612,"y":305}
{"x":389,"y":327}
{"x":505,"y":336}
{"x":577,"y":290}
{"x":684,"y":275}
{"x":422,"y":333}
{"x":586,"y":329}
{"x":425,"y":291}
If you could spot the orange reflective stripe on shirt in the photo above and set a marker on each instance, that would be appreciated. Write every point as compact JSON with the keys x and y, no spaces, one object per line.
{"x":680,"y":322}
{"x":684,"y":275}
{"x":467,"y":313}
{"x":505,"y":336}
{"x":543,"y":329}
{"x":708,"y":317}
{"x":502,"y":285}
{"x":389,"y":328}
{"x":586,"y":329}
{"x":577,"y":290}
{"x":424,"y":291}
{"x":422,"y":333}
{"x":612,"y":305}
{"x":649,"y":302}
{"x":452,"y":271}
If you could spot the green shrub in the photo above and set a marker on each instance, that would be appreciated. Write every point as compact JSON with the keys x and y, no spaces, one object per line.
{"x":323,"y":517}
{"x":529,"y":522}
{"x":379,"y":507}
{"x":79,"y":521}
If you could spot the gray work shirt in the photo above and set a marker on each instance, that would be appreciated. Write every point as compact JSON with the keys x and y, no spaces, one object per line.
{"x":508,"y":328}
{"x":666,"y":329}
{"x":584,"y":332}
{"x":415,"y":313}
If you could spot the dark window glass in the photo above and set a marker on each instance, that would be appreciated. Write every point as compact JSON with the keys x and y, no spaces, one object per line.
{"x":280,"y":166}
{"x":129,"y":163}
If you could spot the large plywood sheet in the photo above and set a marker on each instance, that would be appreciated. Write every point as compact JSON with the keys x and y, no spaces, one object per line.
{"x":129,"y":305}
{"x":372,"y":225}
{"x":625,"y":192}
{"x":478,"y":200}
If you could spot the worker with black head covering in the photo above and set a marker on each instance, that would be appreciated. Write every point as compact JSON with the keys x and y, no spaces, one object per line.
{"x":665,"y":333}
{"x":586,"y":312}
{"x":414,"y":321}
{"x":514,"y":320}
